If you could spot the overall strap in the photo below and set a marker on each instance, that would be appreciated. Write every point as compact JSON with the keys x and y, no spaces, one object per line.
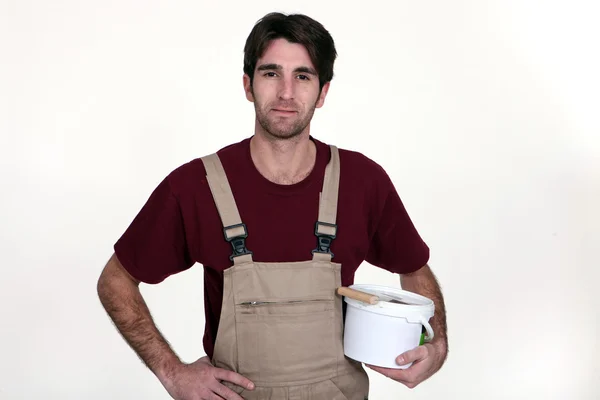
{"x":326,"y":227}
{"x":234,"y":230}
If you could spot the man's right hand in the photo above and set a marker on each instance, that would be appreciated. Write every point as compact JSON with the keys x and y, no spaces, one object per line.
{"x":200,"y":380}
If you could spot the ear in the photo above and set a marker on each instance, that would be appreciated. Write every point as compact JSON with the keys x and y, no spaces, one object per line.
{"x":321,"y":99}
{"x":248,"y":88}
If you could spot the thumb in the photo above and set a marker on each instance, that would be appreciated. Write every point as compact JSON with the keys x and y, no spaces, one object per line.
{"x":413,"y":355}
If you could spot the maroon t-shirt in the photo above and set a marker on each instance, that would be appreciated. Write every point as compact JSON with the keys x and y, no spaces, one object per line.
{"x":179,"y":225}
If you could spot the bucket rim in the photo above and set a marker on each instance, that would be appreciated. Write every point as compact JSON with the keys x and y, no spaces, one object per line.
{"x":424,"y":308}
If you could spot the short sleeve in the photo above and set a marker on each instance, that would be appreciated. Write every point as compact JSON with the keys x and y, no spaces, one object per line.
{"x":396,"y":245}
{"x":154,"y":247}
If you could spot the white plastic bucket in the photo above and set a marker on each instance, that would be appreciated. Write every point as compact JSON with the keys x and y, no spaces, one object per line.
{"x":377,"y":334}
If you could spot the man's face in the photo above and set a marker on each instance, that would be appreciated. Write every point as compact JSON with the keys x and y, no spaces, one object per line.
{"x":285,"y":91}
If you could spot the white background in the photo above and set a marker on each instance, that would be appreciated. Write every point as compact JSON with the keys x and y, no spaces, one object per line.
{"x":484,"y":113}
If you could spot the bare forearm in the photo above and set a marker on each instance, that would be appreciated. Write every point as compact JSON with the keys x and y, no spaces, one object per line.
{"x":425,"y":283}
{"x":126,"y":307}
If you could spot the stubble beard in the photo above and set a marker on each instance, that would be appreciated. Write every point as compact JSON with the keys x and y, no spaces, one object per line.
{"x":283,"y":128}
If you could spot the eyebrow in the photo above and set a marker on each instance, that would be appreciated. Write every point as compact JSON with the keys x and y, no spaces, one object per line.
{"x":277,"y":67}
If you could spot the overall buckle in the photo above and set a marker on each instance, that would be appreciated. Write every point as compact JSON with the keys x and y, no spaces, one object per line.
{"x":324,"y":239}
{"x":238,"y":242}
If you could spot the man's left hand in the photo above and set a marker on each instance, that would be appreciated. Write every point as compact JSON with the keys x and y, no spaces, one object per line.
{"x":427,"y":359}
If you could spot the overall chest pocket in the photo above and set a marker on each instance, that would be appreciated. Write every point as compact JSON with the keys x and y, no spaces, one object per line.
{"x":286,"y":341}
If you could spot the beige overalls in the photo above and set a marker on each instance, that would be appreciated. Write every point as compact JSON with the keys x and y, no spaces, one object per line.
{"x":281,"y":323}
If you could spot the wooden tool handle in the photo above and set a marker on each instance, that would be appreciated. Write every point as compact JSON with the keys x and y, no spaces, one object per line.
{"x":358,"y":295}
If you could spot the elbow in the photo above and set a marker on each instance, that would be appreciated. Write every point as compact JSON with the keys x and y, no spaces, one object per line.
{"x":114,"y":278}
{"x":104,"y":286}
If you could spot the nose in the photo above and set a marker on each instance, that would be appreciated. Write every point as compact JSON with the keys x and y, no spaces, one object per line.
{"x":286,"y":88}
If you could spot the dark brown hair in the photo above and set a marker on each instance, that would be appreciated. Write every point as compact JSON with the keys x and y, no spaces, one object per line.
{"x":295,"y":28}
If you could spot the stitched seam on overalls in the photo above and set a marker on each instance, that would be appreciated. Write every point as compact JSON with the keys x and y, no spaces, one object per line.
{"x":334,"y":328}
{"x":235,"y":322}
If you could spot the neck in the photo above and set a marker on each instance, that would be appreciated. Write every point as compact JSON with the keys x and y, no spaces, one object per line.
{"x":283,"y":161}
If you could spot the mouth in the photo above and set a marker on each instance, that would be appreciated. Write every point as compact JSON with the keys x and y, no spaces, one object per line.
{"x":284,"y":111}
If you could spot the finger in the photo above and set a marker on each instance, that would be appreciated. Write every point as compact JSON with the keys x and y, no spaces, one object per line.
{"x":404,"y":376}
{"x":207,"y":394}
{"x":410,"y":356}
{"x":389,"y":372}
{"x":226,"y":393}
{"x":233,"y":377}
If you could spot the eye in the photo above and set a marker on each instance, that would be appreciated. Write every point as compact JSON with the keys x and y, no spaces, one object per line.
{"x":270,"y":74}
{"x":303,"y":77}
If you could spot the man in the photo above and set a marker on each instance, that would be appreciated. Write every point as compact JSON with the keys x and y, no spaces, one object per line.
{"x":279,"y":221}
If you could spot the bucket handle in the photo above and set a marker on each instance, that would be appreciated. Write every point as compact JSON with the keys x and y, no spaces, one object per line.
{"x":429,"y":330}
{"x":358,"y":295}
